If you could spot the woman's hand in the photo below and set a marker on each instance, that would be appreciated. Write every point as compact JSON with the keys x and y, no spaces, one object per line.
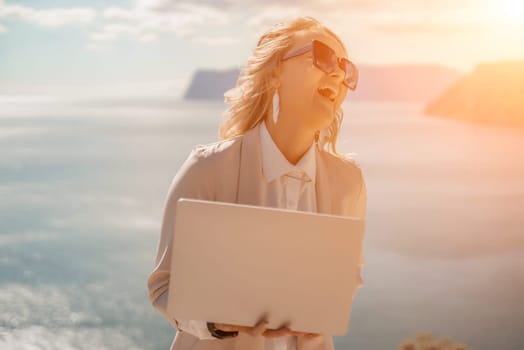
{"x":260,"y":329}
{"x":255,"y":331}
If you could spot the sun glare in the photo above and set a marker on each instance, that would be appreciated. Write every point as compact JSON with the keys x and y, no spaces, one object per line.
{"x":512,"y":10}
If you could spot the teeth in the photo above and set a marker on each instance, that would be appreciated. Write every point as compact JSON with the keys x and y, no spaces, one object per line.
{"x":324,"y":92}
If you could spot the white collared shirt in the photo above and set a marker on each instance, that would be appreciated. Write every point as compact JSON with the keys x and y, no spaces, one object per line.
{"x":287,"y":186}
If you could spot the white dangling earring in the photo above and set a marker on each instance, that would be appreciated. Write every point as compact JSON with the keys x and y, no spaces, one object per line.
{"x":276,"y":106}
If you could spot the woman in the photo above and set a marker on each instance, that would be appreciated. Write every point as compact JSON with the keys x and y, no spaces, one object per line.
{"x":277,"y":150}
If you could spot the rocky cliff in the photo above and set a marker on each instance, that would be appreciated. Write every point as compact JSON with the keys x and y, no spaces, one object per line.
{"x":493,"y":92}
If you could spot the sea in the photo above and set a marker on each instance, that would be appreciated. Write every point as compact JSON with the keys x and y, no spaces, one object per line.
{"x":83,"y":184}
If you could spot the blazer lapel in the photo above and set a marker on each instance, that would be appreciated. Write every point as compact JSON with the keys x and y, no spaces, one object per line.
{"x":250,"y":173}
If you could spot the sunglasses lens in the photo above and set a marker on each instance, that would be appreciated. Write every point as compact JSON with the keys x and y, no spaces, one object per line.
{"x":351,"y":78}
{"x":326,"y":60}
{"x":324,"y":57}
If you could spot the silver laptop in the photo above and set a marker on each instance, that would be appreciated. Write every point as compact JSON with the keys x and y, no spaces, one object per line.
{"x":237,"y":264}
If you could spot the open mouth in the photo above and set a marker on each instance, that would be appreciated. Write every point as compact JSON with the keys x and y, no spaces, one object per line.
{"x":328,"y":93}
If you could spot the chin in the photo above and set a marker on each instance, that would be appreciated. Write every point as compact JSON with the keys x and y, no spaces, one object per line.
{"x":318,"y":126}
{"x":319,"y":118}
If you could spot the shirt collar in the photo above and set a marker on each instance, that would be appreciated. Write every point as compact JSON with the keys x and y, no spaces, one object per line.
{"x":274,"y":164}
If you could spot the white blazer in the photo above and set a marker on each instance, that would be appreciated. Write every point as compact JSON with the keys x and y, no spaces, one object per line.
{"x":231,"y":171}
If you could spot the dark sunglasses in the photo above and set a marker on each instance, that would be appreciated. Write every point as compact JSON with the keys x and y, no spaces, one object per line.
{"x":325,"y":59}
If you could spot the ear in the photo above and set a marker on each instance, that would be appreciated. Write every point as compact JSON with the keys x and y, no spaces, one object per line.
{"x":274,"y":77}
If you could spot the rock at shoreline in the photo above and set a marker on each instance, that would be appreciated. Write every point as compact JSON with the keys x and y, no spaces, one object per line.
{"x":493,"y":92}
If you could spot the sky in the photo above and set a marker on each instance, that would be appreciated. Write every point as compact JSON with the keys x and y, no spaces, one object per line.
{"x":153,"y":47}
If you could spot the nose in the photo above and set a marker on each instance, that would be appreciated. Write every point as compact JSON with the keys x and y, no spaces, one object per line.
{"x":338,"y":73}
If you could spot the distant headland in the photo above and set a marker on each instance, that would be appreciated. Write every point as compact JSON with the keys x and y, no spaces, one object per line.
{"x":493,"y":93}
{"x":417,"y":83}
{"x":211,"y":84}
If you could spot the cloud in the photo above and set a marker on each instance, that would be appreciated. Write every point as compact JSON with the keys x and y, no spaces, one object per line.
{"x":404,"y":27}
{"x":271,"y":15}
{"x":147,"y":20}
{"x":145,"y":38}
{"x":112,"y":31}
{"x":407,"y":17}
{"x":215,"y":41}
{"x":417,"y":22}
{"x":167,"y":6}
{"x":53,"y":18}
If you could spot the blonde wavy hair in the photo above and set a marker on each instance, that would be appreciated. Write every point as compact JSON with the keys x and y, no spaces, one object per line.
{"x":250,"y":100}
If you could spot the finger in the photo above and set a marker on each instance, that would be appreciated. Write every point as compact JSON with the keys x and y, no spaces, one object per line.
{"x":305,"y":334}
{"x":258,"y":329}
{"x":296,"y":333}
{"x":274,"y":333}
{"x":312,"y":335}
{"x":227,"y":327}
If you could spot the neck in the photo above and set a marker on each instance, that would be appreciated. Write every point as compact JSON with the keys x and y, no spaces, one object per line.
{"x":291,"y":139}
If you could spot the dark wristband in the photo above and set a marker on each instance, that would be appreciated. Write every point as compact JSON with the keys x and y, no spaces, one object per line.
{"x":218,"y":333}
